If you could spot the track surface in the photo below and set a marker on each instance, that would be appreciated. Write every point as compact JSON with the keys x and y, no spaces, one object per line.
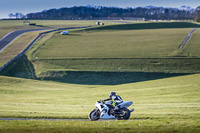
{"x":25,"y":119}
{"x":30,"y":119}
{"x":7,"y":39}
{"x":187,"y":38}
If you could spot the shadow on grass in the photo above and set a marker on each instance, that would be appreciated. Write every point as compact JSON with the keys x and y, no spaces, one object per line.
{"x":21,"y":68}
{"x":24,"y":68}
{"x":140,"y":26}
{"x":103,"y":78}
{"x":71,"y":34}
{"x":41,"y":26}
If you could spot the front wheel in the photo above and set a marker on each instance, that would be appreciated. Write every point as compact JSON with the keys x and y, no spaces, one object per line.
{"x":94,"y":115}
{"x":125,"y":115}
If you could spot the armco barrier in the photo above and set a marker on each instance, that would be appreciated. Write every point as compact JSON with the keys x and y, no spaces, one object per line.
{"x":27,"y":48}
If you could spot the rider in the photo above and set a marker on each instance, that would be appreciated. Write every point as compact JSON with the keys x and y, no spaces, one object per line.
{"x":115,"y":98}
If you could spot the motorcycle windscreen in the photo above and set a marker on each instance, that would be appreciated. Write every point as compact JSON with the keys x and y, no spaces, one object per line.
{"x":126,"y":104}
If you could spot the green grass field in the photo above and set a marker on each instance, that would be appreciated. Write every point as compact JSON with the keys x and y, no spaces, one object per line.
{"x":165,"y":105}
{"x":139,"y":47}
{"x":142,"y":62}
{"x":143,"y":40}
{"x":151,"y":25}
{"x":192,"y":49}
{"x":93,"y":52}
{"x":113,"y":44}
{"x":22,"y":41}
{"x":7,"y":26}
{"x":17,"y":46}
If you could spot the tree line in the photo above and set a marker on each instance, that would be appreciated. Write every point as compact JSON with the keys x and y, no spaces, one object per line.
{"x":197,"y":14}
{"x":85,"y":12}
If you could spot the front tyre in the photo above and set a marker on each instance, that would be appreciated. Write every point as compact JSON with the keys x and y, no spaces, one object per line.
{"x":94,"y":115}
{"x":125,"y":116}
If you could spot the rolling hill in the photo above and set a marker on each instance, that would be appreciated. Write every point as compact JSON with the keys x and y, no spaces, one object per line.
{"x":170,"y":104}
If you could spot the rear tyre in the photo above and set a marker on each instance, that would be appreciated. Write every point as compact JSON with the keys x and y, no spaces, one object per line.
{"x":125,"y":116}
{"x":94,"y":115}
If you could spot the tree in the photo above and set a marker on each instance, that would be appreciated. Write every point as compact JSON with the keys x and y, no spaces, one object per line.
{"x":197,"y":14}
{"x":19,"y":15}
{"x":83,"y":12}
{"x":11,"y":15}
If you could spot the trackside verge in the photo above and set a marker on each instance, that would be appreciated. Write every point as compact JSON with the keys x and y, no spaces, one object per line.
{"x":31,"y":44}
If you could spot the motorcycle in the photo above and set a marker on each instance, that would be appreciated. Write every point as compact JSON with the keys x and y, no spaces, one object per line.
{"x":106,"y":111}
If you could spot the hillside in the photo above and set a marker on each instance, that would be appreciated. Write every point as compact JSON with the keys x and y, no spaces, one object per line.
{"x":143,"y":47}
{"x":113,"y":54}
{"x":141,"y":62}
{"x":7,"y":26}
{"x":169,"y":104}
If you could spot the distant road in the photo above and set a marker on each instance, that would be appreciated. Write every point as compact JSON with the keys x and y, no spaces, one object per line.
{"x":187,"y":38}
{"x":126,"y":22}
{"x":7,"y":39}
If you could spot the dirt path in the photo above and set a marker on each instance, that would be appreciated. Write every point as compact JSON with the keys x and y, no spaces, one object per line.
{"x":187,"y":38}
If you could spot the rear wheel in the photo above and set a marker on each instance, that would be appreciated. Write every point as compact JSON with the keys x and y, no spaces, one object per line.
{"x":125,"y":114}
{"x":94,"y":115}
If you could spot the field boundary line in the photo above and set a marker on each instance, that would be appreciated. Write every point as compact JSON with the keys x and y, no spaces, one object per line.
{"x":30,"y":44}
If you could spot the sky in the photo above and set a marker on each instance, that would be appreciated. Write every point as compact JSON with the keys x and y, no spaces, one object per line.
{"x":29,"y":6}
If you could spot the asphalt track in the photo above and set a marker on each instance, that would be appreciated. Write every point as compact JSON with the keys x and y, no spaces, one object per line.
{"x":7,"y":39}
{"x":187,"y":38}
{"x":30,"y":119}
{"x":33,"y":119}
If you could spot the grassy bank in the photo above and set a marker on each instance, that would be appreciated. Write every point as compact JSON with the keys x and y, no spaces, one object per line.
{"x":32,"y":98}
{"x":113,"y":51}
{"x":150,"y":126}
{"x":164,"y":105}
{"x":7,"y":26}
{"x":153,"y":25}
{"x":153,"y":49}
{"x":17,"y":46}
{"x":192,"y":48}
{"x":113,"y":44}
{"x":94,"y":62}
{"x":166,"y":65}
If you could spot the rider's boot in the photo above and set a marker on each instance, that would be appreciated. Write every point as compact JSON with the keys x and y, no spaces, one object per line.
{"x":112,"y":111}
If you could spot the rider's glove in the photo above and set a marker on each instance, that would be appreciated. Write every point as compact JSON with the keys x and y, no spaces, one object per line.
{"x":114,"y":103}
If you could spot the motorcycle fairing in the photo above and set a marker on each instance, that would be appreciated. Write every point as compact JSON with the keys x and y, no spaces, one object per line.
{"x":104,"y":111}
{"x":125,"y":104}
